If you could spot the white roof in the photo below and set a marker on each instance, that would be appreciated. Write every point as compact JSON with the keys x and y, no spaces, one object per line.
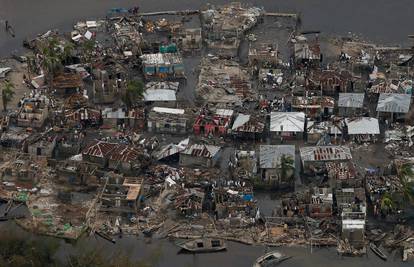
{"x":353,"y":224}
{"x":271,"y":155}
{"x":240,"y":121}
{"x":110,"y":113}
{"x":325,"y":153}
{"x":224,"y":112}
{"x":395,"y":103}
{"x":159,"y":95}
{"x":363,"y":125}
{"x":168,"y":110}
{"x":351,"y":100}
{"x":287,"y":121}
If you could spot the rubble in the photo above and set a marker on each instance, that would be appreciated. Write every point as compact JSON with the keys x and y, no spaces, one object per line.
{"x":218,"y":112}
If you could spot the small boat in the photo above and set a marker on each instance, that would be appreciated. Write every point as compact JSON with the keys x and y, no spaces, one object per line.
{"x":377,"y":251}
{"x":203,"y":245}
{"x":270,"y":259}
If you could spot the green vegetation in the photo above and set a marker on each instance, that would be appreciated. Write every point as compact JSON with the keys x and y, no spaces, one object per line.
{"x":7,"y":93}
{"x":286,"y":167}
{"x":134,"y":92}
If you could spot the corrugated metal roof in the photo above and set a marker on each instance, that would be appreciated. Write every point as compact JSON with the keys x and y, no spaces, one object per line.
{"x":240,"y":121}
{"x":395,"y":103}
{"x":124,"y":153}
{"x":224,"y":112}
{"x":169,"y":110}
{"x":325,"y":153}
{"x":205,"y":151}
{"x":163,"y":85}
{"x":110,"y":113}
{"x":171,"y":149}
{"x":363,"y":125}
{"x":287,"y":121}
{"x":99,"y":149}
{"x":270,"y":155}
{"x":159,"y":95}
{"x":351,"y":100}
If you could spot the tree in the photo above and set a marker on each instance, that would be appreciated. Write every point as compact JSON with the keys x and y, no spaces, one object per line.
{"x":51,"y":59}
{"x":405,"y":174}
{"x":67,"y":52}
{"x":133,"y":93}
{"x":286,"y":167}
{"x":7,"y":93}
{"x":387,"y":203}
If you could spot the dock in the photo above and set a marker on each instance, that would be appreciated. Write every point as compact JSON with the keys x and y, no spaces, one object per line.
{"x":176,"y":12}
{"x":286,"y":15}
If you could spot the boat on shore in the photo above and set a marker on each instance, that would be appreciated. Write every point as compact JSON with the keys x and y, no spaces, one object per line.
{"x":203,"y":245}
{"x":270,"y":259}
{"x":377,"y":251}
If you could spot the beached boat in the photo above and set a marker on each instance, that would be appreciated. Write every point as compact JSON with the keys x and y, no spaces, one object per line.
{"x":270,"y":259}
{"x":377,"y":251}
{"x":203,"y":245}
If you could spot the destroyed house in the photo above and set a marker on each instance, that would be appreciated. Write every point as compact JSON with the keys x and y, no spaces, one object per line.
{"x":127,"y":37}
{"x":83,"y":116}
{"x":378,"y":185}
{"x":136,"y":118}
{"x":41,"y":145}
{"x":190,"y":202}
{"x":105,"y":86}
{"x":314,"y":106}
{"x":188,"y":39}
{"x":21,"y":169}
{"x":113,"y":116}
{"x":98,"y":152}
{"x":163,"y":65}
{"x":243,"y":164}
{"x":76,"y":172}
{"x":66,"y":84}
{"x":69,"y":144}
{"x":127,"y":159}
{"x":315,"y":157}
{"x":224,"y":81}
{"x":343,"y":175}
{"x":33,"y":113}
{"x":287,"y":124}
{"x":121,"y":194}
{"x":363,"y":129}
{"x":167,"y":120}
{"x":248,"y":126}
{"x":224,"y":26}
{"x":307,"y":52}
{"x":328,"y":131}
{"x":353,"y":228}
{"x":331,"y":82}
{"x":13,"y":139}
{"x":235,"y":203}
{"x":265,"y":54}
{"x":277,"y":165}
{"x":216,"y":123}
{"x":199,"y":155}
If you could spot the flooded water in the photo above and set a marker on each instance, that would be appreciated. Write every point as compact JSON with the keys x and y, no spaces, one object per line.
{"x":167,"y":254}
{"x":386,"y":21}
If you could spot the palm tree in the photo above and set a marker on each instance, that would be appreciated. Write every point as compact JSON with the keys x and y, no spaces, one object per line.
{"x":67,"y":52}
{"x":405,"y":174}
{"x":133,"y":93}
{"x":7,"y":93}
{"x":51,"y":61}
